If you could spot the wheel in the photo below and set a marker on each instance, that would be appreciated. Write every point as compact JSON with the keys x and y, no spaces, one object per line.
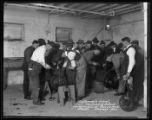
{"x":126,"y":104}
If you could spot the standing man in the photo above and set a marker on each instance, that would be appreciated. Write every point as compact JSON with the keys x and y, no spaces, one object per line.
{"x":95,"y":42}
{"x":88,"y":55}
{"x":95,"y":60}
{"x":80,"y":46}
{"x":81,"y":70}
{"x":102,"y":45}
{"x":70,"y":70}
{"x":129,"y":65}
{"x":27,"y":57}
{"x":88,"y":45}
{"x":117,"y":60}
{"x":36,"y":64}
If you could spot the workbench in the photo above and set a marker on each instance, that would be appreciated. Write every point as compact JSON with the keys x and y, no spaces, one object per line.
{"x":11,"y":64}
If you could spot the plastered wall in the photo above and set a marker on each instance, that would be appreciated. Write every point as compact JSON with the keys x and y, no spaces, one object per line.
{"x":131,"y":25}
{"x":36,"y":23}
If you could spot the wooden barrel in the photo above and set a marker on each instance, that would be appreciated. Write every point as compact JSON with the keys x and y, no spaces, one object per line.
{"x":98,"y":87}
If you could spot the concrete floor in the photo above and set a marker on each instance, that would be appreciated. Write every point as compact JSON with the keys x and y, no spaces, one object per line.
{"x":15,"y":105}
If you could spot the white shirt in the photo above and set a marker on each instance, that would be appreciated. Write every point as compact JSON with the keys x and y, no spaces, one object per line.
{"x":131,"y":53}
{"x":39,"y":55}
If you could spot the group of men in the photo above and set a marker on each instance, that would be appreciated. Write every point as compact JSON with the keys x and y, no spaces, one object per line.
{"x":77,"y":68}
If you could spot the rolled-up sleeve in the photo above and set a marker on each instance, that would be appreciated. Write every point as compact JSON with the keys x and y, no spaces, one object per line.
{"x":131,"y":53}
{"x":39,"y":55}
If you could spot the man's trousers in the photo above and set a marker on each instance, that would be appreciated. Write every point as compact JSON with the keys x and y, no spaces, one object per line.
{"x":34,"y":71}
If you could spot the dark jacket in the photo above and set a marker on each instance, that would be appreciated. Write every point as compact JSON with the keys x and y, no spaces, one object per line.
{"x":27,"y":56}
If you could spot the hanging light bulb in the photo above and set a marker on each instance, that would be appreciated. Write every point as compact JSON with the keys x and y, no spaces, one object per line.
{"x":107,"y":27}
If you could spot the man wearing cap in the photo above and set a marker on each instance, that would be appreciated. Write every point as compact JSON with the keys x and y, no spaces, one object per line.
{"x":27,"y":55}
{"x":117,"y":59}
{"x":80,"y":70}
{"x":88,"y":45}
{"x":88,"y":55}
{"x":70,"y":68}
{"x":80,"y":46}
{"x":129,"y":64}
{"x":95,"y":42}
{"x":102,"y":45}
{"x":95,"y":60}
{"x":36,"y":64}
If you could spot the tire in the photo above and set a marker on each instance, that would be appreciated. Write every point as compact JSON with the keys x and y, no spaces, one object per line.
{"x":126,"y":104}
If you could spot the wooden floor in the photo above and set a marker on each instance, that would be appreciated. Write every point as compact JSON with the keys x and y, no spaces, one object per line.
{"x":15,"y":105}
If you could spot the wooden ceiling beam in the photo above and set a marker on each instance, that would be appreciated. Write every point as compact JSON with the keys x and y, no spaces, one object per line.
{"x":128,"y":11}
{"x":127,"y":8}
{"x":96,"y":6}
{"x":106,"y":7}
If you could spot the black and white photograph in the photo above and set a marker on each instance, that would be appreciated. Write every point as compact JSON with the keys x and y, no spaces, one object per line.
{"x":75,"y":59}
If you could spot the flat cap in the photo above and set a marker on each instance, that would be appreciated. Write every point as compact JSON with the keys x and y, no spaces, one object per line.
{"x":95,"y":40}
{"x":80,"y":42}
{"x":51,"y":43}
{"x":89,"y":42}
{"x":102,"y":42}
{"x":112,"y":43}
{"x":67,"y":43}
{"x":126,"y":39}
{"x":135,"y":42}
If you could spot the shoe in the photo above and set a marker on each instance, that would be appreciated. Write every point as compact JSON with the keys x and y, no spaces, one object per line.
{"x":51,"y":98}
{"x":80,"y":98}
{"x":43,"y":99}
{"x":28,"y":98}
{"x":38,"y":103}
{"x":62,"y":103}
{"x":118,"y":94}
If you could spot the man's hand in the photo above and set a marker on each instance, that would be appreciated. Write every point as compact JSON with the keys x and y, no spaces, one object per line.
{"x":95,"y":63}
{"x":126,"y":76}
{"x":130,"y":81}
{"x":104,"y":65}
{"x":47,"y":66}
{"x":118,"y":76}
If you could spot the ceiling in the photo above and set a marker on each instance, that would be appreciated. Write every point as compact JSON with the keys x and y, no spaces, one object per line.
{"x":84,"y":10}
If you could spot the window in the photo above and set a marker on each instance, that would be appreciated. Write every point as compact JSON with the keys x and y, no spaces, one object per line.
{"x":13,"y":31}
{"x":63,"y":34}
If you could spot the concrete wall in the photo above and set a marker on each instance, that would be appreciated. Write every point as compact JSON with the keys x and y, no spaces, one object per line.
{"x":131,"y":25}
{"x":36,"y":23}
